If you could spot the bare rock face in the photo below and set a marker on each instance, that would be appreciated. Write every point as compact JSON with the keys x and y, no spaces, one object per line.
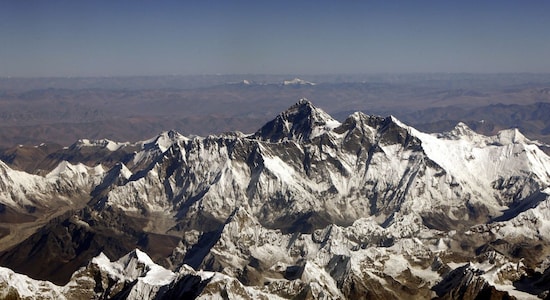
{"x":305,"y":208}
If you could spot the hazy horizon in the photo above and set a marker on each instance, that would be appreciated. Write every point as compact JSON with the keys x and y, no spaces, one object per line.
{"x":127,"y":38}
{"x":285,"y":75}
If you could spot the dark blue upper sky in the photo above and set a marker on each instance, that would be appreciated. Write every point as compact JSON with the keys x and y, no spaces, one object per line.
{"x":117,"y":37}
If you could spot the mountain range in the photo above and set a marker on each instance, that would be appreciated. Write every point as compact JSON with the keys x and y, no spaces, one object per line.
{"x":306,"y":207}
{"x":59,"y":111}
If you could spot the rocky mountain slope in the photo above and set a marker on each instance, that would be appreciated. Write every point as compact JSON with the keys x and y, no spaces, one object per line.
{"x":306,"y":207}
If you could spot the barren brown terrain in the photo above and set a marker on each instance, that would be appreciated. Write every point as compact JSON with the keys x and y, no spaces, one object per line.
{"x":63,"y":110}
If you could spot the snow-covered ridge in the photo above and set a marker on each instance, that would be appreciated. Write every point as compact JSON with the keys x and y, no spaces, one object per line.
{"x":21,"y":286}
{"x":135,"y":265}
{"x":102,"y":144}
{"x":480,"y":160}
{"x":19,"y":189}
{"x":134,"y":275}
{"x":474,"y":165}
{"x":66,"y":168}
{"x":297,"y":81}
{"x":454,"y":166}
{"x":163,"y":141}
{"x":119,"y":275}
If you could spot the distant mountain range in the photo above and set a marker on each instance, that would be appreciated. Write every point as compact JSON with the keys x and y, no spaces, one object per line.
{"x":61,"y":110}
{"x":306,"y":207}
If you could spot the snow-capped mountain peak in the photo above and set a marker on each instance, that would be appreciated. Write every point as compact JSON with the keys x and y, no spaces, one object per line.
{"x":138,"y":264}
{"x":297,"y":81}
{"x":302,"y":121}
{"x":164,"y":140}
{"x":101,"y":144}
{"x":461,"y":130}
{"x":511,"y":136}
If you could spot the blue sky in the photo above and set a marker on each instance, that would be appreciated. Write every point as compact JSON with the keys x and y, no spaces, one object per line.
{"x":109,"y":38}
